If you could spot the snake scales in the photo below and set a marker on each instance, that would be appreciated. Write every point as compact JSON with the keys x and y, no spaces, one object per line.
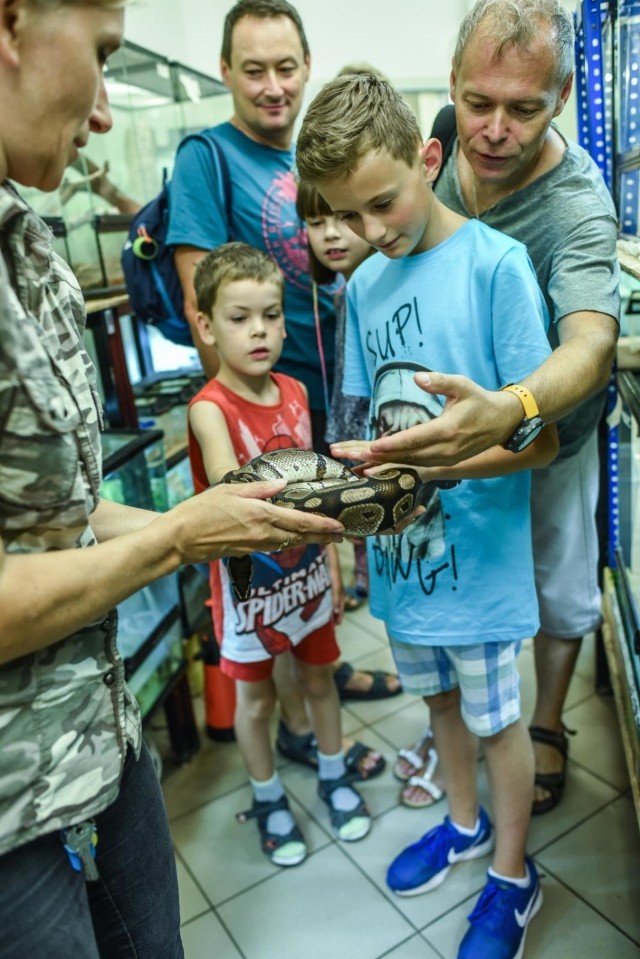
{"x":365,"y":505}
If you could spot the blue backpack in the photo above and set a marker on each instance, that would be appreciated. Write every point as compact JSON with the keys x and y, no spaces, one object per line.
{"x":152,"y":281}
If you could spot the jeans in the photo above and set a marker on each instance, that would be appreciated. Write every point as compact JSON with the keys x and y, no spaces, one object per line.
{"x":48,"y":911}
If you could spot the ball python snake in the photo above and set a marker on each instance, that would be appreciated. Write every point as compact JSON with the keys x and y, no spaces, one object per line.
{"x":365,"y":505}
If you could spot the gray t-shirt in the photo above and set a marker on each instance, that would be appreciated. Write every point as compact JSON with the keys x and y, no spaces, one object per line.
{"x":567,"y":220}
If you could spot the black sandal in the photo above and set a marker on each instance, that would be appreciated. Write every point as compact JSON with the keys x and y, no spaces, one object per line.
{"x":272,"y":844}
{"x":345,"y":817}
{"x":377,"y":690}
{"x":553,"y":783}
{"x":304,"y":750}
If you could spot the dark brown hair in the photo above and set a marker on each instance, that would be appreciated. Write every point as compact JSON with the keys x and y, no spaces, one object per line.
{"x":310,"y":204}
{"x":263,"y":10}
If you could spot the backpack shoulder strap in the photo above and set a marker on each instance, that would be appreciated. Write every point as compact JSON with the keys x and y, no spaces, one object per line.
{"x":217,"y":153}
{"x":444,"y":129}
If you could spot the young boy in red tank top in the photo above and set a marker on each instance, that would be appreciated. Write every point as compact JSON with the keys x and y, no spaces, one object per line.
{"x":244,"y":411}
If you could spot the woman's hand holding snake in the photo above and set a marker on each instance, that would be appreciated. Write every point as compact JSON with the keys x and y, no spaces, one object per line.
{"x":232,"y":520}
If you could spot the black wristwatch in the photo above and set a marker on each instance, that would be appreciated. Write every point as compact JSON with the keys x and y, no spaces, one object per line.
{"x":532,"y":423}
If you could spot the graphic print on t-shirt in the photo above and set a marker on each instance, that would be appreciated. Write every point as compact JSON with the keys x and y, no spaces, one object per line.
{"x":398,"y":404}
{"x":284,"y":233}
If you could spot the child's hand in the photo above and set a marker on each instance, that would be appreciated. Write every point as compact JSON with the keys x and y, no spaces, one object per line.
{"x":351,"y":450}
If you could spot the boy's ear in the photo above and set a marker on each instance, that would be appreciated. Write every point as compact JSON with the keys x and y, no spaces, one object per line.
{"x":12,"y":15}
{"x":431,"y":156}
{"x":204,"y":329}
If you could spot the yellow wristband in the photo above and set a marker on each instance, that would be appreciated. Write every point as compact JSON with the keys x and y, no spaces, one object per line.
{"x":529,"y":405}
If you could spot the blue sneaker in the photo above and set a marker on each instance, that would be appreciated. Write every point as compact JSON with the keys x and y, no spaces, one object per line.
{"x":424,"y":865}
{"x":500,"y":919}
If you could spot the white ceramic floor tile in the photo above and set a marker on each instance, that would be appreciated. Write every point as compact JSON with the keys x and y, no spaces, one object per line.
{"x":325,"y":907}
{"x":216,"y":770}
{"x":355,"y":640}
{"x":598,"y":744}
{"x":206,"y":938}
{"x":224,"y":855}
{"x":600,"y":861}
{"x":565,"y":928}
{"x":192,"y":902}
{"x":337,"y":903}
{"x":404,"y":727}
{"x":363,"y":619}
{"x":584,"y":795}
{"x":414,"y":948}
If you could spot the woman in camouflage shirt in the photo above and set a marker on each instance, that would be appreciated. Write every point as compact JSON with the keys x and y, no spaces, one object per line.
{"x":70,"y":741}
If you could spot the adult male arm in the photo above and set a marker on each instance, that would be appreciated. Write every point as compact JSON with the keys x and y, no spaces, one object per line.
{"x":475,"y":419}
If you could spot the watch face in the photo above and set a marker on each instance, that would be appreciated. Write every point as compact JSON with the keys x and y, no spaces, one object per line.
{"x":525,"y":434}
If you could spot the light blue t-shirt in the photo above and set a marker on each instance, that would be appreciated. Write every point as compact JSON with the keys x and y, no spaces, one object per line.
{"x":261,"y":211}
{"x":463,"y":573}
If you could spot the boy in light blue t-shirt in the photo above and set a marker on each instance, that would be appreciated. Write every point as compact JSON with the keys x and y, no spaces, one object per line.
{"x":456,"y":590}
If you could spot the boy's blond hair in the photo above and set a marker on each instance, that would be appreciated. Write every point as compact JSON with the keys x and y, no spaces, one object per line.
{"x":231,"y":263}
{"x":351,"y":116}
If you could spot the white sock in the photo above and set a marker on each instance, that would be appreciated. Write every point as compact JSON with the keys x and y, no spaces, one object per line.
{"x":520,"y":882}
{"x":464,"y":831}
{"x":270,"y":790}
{"x":333,"y":767}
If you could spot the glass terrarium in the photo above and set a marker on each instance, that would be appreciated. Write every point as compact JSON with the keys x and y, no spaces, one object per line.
{"x":134,"y":468}
{"x":155,"y":103}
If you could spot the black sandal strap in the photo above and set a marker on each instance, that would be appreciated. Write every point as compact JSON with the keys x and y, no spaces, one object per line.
{"x":550,"y":738}
{"x":262,"y":810}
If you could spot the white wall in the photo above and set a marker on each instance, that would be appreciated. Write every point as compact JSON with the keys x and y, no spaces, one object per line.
{"x":411,"y":41}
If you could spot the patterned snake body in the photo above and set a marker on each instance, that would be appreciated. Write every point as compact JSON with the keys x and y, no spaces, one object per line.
{"x":365,"y":505}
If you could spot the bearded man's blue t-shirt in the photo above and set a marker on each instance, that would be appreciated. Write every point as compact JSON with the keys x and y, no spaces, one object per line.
{"x":261,"y":211}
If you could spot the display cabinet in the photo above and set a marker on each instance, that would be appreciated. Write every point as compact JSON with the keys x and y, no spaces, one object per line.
{"x":154,"y":622}
{"x":608,"y":75}
{"x":621,"y":630}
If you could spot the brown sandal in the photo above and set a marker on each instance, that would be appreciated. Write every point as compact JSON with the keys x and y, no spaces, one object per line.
{"x":554,"y":783}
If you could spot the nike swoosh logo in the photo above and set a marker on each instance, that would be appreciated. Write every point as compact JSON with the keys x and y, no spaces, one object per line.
{"x":453,"y":856}
{"x":522,"y":917}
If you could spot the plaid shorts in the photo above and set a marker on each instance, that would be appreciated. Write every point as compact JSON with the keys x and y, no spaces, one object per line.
{"x":486,"y":674}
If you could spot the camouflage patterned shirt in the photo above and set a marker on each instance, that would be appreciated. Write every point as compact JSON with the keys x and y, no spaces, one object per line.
{"x":66,"y":715}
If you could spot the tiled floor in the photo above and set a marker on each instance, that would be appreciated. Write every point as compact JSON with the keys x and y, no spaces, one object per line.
{"x":235,"y":904}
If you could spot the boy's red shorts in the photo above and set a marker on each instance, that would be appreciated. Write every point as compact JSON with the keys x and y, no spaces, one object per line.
{"x":317,"y":649}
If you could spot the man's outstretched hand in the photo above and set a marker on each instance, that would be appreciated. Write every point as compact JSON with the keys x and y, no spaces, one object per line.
{"x":473,"y":420}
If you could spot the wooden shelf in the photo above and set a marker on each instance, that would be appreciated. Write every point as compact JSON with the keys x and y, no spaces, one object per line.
{"x":625,"y":688}
{"x":630,"y":264}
